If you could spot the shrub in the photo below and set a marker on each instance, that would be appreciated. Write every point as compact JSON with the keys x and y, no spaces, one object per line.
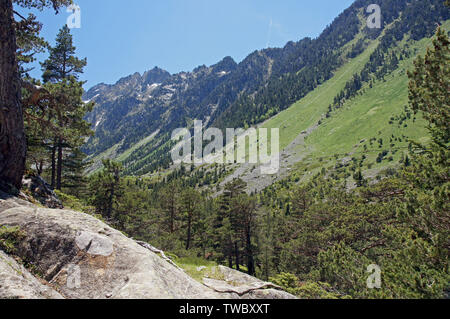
{"x":9,"y":238}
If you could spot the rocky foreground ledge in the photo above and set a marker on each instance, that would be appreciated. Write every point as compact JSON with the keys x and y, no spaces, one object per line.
{"x":73,"y":255}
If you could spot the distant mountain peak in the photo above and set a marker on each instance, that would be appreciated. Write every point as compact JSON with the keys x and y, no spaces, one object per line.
{"x":155,"y":75}
{"x":227,"y":64}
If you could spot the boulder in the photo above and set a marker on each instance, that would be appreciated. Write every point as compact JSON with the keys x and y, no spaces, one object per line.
{"x":243,"y":285}
{"x":17,"y":283}
{"x":82,"y":257}
{"x":8,"y":201}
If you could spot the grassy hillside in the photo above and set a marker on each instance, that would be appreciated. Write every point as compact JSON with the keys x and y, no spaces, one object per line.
{"x":377,"y":112}
{"x":374,"y":128}
{"x":308,"y":111}
{"x":368,"y":116}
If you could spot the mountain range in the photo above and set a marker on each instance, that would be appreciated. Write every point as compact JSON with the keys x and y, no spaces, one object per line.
{"x":133,"y":118}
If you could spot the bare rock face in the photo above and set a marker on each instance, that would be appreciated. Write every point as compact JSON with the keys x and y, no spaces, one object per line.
{"x":17,"y":283}
{"x":8,"y":201}
{"x":81,"y":257}
{"x":243,"y":285}
{"x":84,"y":258}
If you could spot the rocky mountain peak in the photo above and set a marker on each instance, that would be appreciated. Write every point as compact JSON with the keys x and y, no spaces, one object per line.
{"x":155,"y":75}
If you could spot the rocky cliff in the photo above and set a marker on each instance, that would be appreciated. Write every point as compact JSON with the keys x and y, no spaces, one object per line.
{"x":67,"y":254}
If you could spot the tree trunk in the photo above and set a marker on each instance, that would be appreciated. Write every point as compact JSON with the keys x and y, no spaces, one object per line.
{"x":110,"y":203}
{"x":172,"y":215}
{"x":249,"y":252}
{"x":236,"y":252}
{"x":40,"y":167}
{"x":188,"y":240}
{"x":12,"y":135}
{"x":229,"y":252}
{"x":54,"y":164}
{"x":59,"y":164}
{"x":266,"y":259}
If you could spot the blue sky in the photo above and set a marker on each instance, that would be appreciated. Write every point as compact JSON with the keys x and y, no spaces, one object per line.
{"x":122,"y":37}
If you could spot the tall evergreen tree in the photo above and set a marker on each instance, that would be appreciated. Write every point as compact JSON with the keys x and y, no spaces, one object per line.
{"x":190,"y":199}
{"x":62,"y":62}
{"x":169,"y":203}
{"x":243,"y":216}
{"x":227,"y":222}
{"x":61,"y":72}
{"x":106,"y":188}
{"x":428,"y":206}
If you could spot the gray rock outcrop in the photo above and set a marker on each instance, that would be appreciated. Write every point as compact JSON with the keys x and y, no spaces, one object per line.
{"x":78,"y":256}
{"x":17,"y":283}
{"x":238,"y":283}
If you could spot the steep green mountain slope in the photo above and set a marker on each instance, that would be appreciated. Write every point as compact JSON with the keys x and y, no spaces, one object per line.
{"x":373,"y":114}
{"x":377,"y":113}
{"x":307,"y":112}
{"x":299,"y":121}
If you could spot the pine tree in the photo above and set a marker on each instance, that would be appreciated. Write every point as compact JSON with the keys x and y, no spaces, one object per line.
{"x":225,"y":221}
{"x":75,"y":181}
{"x":428,"y":89}
{"x":427,"y":207}
{"x":60,"y":74}
{"x":106,"y":188}
{"x":169,"y":203}
{"x":359,"y":179}
{"x":243,"y":213}
{"x":62,"y":62}
{"x":190,"y":199}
